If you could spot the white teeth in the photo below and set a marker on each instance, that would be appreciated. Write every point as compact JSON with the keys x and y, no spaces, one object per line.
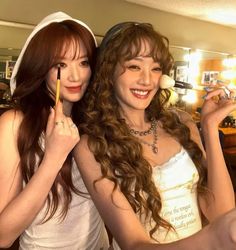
{"x":140,"y":92}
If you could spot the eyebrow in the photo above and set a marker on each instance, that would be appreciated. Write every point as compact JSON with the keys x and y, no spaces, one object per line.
{"x":137,"y":58}
{"x":140,"y":58}
{"x":83,"y":56}
{"x":80,"y":57}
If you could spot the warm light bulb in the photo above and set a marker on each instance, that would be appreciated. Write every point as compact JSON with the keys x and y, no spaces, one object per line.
{"x":190,"y":97}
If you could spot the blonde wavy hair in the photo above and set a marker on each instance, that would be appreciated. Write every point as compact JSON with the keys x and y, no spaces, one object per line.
{"x":119,"y":153}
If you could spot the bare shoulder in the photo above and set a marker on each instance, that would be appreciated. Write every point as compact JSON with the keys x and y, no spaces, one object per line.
{"x":9,"y":128}
{"x":10,"y":173}
{"x":89,"y":168}
{"x":184,"y":116}
{"x":10,"y":121}
{"x":81,"y":151}
{"x":187,"y":119}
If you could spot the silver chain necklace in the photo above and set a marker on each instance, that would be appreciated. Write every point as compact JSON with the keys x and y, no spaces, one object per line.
{"x":152,"y":129}
{"x":146,"y":132}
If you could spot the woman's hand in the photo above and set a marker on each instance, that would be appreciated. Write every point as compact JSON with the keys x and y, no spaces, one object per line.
{"x":61,"y":134}
{"x":218,"y":104}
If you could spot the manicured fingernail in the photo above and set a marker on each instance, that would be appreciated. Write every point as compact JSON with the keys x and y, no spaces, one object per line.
{"x":207,"y":88}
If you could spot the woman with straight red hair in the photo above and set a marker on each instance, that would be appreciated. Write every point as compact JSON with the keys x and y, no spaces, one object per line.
{"x":43,"y":198}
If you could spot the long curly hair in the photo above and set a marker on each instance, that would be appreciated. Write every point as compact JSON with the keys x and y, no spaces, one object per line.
{"x":119,"y":153}
{"x":32,"y":98}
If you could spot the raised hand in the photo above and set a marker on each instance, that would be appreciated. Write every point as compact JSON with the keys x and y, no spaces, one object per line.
{"x":218,"y":104}
{"x":61,"y":133}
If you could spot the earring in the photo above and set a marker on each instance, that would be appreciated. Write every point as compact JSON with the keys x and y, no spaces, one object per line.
{"x":166,"y":82}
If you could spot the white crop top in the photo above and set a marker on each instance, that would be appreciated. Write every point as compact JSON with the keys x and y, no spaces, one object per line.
{"x":176,"y":181}
{"x":82,"y":229}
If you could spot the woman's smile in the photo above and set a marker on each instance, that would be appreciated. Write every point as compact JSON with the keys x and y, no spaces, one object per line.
{"x":142,"y":94}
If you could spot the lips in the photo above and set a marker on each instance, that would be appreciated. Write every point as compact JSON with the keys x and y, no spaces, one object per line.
{"x":74,"y":89}
{"x":142,"y":94}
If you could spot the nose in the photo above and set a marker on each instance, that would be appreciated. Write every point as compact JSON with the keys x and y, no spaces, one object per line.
{"x":74,"y":74}
{"x":145,"y":77}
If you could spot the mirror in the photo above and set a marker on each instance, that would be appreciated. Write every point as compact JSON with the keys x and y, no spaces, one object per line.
{"x":197,"y":67}
{"x":7,"y":62}
{"x":201,"y":69}
{"x":7,"y":59}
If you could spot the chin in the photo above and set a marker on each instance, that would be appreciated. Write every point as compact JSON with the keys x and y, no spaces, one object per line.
{"x":73,"y":97}
{"x":143,"y":106}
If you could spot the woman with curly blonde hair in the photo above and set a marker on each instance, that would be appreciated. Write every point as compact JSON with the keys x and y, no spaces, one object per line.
{"x":138,"y":155}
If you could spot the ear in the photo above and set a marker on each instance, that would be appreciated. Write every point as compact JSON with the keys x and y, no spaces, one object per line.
{"x":166,"y":82}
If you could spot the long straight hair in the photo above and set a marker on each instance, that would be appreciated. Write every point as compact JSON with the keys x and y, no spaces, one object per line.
{"x":32,"y":98}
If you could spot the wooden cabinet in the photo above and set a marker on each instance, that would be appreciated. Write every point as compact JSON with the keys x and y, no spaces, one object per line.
{"x":229,"y":137}
{"x":229,"y":145}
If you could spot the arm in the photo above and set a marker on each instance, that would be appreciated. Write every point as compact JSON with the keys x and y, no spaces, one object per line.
{"x":122,"y":221}
{"x":18,"y":206}
{"x":219,"y":181}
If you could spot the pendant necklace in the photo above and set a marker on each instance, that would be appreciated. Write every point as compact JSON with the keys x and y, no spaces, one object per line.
{"x":152,"y":129}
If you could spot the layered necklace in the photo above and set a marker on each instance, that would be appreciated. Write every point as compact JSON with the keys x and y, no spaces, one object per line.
{"x":151,"y":130}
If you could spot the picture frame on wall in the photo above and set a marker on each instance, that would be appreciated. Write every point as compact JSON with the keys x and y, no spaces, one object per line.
{"x":2,"y":75}
{"x":9,"y":68}
{"x":181,"y":73}
{"x":210,"y":77}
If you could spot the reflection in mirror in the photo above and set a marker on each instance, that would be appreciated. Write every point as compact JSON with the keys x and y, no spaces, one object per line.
{"x":201,"y":69}
{"x":180,"y":70}
{"x":211,"y":68}
{"x":7,"y":62}
{"x":6,"y":57}
{"x":205,"y":70}
{"x":197,"y":67}
{"x":179,"y":73}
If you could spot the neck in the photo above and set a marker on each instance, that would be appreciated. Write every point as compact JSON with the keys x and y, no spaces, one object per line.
{"x":67,"y":107}
{"x":135,"y":119}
